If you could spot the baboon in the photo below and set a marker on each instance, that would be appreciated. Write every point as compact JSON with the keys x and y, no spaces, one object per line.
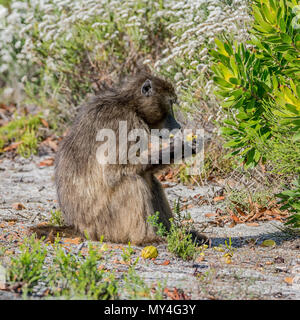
{"x":115,"y":200}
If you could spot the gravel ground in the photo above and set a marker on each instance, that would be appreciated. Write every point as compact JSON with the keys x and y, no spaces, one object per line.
{"x":255,"y":272}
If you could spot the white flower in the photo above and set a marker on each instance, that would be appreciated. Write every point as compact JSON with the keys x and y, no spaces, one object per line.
{"x":3,"y":67}
{"x":8,"y":92}
{"x":178,"y":76}
{"x":3,"y":12}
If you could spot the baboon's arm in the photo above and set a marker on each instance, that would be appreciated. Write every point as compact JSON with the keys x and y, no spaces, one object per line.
{"x":157,"y":162}
{"x":152,"y":161}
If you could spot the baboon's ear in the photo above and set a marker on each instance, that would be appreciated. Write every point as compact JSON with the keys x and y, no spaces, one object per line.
{"x":147,"y":88}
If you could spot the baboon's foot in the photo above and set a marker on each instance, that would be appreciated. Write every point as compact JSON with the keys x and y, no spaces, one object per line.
{"x":198,"y":238}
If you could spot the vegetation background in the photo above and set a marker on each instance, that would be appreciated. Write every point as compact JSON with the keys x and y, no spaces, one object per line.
{"x":235,"y":65}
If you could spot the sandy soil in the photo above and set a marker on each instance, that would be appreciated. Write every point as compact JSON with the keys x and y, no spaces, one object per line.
{"x":255,"y":272}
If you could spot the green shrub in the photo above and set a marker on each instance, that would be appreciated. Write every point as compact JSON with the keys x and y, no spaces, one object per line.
{"x":56,"y":218}
{"x":23,"y":130}
{"x":291,"y":202}
{"x":27,"y":266}
{"x":74,"y":276}
{"x":258,"y":83}
{"x":179,"y":240}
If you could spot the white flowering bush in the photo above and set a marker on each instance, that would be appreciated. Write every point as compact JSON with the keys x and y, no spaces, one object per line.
{"x":186,"y":58}
{"x":60,"y":50}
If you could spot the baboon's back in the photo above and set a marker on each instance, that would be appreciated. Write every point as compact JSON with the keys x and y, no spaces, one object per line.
{"x":114,"y":200}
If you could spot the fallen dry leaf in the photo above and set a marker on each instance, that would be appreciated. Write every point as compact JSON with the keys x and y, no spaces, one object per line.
{"x":45,"y":123}
{"x":240,"y":211}
{"x":18,"y":206}
{"x":47,"y":163}
{"x":72,"y":241}
{"x":3,"y":285}
{"x":12,"y":146}
{"x":233,"y":216}
{"x":288,"y":280}
{"x":51,"y":143}
{"x":187,"y":206}
{"x":219,"y":198}
{"x":176,"y":294}
{"x":208,"y":215}
{"x":252,"y":224}
{"x":161,"y":177}
{"x":116,"y":261}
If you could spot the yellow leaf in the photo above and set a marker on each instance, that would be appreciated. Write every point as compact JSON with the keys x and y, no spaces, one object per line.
{"x":268,"y":243}
{"x":288,"y":280}
{"x":149,"y":252}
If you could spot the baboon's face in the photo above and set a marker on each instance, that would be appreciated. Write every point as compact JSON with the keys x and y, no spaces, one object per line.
{"x":158,"y":98}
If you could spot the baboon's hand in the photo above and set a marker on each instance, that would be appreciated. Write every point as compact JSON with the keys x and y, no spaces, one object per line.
{"x":177,"y":150}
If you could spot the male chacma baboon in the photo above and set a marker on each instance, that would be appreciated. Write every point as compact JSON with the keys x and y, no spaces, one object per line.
{"x":115,"y":200}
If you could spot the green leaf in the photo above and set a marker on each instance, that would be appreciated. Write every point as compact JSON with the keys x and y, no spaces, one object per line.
{"x":234,"y":143}
{"x":222,"y":82}
{"x":282,"y":25}
{"x":227,"y":131}
{"x":262,"y":24}
{"x":292,"y":108}
{"x":257,"y":156}
{"x":234,"y":80}
{"x":296,"y":137}
{"x":286,"y":38}
{"x":267,"y":14}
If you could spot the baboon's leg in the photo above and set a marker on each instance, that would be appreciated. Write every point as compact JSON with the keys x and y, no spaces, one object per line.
{"x":160,"y":202}
{"x":130,"y":204}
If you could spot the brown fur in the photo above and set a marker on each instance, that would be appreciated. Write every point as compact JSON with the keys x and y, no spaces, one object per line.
{"x":113,"y":201}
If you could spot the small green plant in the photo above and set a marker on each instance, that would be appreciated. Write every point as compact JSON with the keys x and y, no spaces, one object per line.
{"x":127,"y":255}
{"x":24,"y":131}
{"x":179,"y":240}
{"x":228,"y":251}
{"x":2,"y":250}
{"x":229,"y":248}
{"x":27,"y":267}
{"x":79,"y":276}
{"x":56,"y":218}
{"x":136,"y":287}
{"x":244,"y":199}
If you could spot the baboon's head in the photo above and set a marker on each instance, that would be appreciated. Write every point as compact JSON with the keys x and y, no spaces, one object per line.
{"x":155,"y":98}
